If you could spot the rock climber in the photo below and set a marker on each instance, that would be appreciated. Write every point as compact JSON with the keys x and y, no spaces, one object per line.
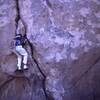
{"x":20,"y":41}
{"x":22,"y":53}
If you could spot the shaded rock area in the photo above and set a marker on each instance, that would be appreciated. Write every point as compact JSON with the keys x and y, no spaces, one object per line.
{"x":63,"y":47}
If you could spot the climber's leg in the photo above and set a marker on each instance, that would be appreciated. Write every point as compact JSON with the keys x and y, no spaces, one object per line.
{"x":18,"y":48}
{"x":25,"y":58}
{"x":23,"y":52}
{"x":19,"y":62}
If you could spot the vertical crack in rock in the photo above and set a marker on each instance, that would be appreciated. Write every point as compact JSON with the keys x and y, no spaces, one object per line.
{"x":18,"y":13}
{"x":44,"y":76}
{"x":18,"y":17}
{"x":48,"y":3}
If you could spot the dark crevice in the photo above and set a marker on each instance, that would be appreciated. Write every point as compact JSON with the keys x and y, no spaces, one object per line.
{"x":18,"y":13}
{"x":44,"y":76}
{"x":32,"y":48}
{"x":48,"y":3}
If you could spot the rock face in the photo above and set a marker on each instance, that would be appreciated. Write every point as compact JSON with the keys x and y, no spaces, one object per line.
{"x":63,"y":47}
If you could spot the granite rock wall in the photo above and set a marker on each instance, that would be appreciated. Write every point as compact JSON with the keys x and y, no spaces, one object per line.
{"x":63,"y":47}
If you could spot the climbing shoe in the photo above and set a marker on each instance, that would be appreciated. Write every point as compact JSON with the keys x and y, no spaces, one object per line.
{"x":18,"y":69}
{"x":25,"y":67}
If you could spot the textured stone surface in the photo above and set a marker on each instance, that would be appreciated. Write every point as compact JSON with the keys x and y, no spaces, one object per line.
{"x":16,"y":85}
{"x":65,"y":35}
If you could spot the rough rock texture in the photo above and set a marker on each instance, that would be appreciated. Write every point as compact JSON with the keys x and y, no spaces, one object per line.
{"x":27,"y":85}
{"x":63,"y":47}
